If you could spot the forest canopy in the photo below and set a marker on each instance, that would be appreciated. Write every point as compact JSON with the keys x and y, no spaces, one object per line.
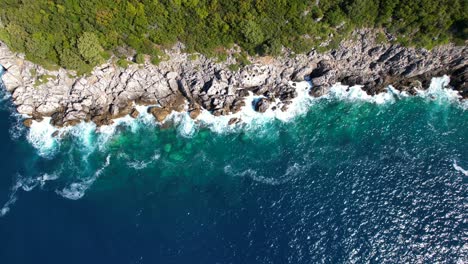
{"x":79,"y":34}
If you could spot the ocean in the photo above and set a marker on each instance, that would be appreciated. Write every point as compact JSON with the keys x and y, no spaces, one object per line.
{"x":347,"y":178}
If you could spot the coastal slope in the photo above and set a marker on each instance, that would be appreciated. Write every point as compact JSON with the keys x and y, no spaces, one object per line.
{"x":192,"y":83}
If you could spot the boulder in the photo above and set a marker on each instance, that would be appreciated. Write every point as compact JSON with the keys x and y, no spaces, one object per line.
{"x":134,"y":113}
{"x":318,"y":91}
{"x":303,"y":73}
{"x":159,"y":113}
{"x":237,"y":105}
{"x":102,"y":120}
{"x":233,"y":121}
{"x":254,"y":76}
{"x":262,"y":105}
{"x":194,"y":113}
{"x":25,"y":109}
{"x":28,"y":122}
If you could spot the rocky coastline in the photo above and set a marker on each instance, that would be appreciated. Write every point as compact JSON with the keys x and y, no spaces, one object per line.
{"x":192,"y":83}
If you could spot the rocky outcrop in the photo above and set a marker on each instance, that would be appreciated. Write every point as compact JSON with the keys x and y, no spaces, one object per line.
{"x":377,"y":66}
{"x":183,"y":84}
{"x":262,"y":105}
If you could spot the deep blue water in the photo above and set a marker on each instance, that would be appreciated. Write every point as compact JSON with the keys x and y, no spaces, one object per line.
{"x":346,"y":182}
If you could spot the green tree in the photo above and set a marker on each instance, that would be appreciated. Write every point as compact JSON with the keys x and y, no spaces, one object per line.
{"x":46,"y":30}
{"x":252,"y":32}
{"x":72,"y":61}
{"x":38,"y":45}
{"x":140,"y":58}
{"x":17,"y":36}
{"x":364,"y":12}
{"x":90,"y":49}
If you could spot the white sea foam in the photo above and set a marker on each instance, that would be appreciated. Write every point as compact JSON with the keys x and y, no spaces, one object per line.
{"x":141,"y":164}
{"x":253,"y":174}
{"x":249,"y":118}
{"x":4,"y":95}
{"x":291,"y":172}
{"x":26,"y":184}
{"x":144,"y":117}
{"x":439,"y":89}
{"x":40,"y":134}
{"x":91,"y":138}
{"x":460,"y":169}
{"x":356,"y":93}
{"x":77,"y":190}
{"x":17,"y":129}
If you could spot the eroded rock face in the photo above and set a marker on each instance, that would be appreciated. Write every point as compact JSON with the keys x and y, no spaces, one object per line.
{"x":377,"y":66}
{"x":181,"y":84}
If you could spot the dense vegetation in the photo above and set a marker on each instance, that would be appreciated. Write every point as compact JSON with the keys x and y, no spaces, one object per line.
{"x":79,"y":34}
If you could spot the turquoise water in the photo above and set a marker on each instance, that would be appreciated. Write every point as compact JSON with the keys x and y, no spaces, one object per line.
{"x":347,"y":180}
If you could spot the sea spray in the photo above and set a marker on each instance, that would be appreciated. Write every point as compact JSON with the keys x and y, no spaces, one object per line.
{"x":355,"y":93}
{"x":439,"y":90}
{"x":40,"y":136}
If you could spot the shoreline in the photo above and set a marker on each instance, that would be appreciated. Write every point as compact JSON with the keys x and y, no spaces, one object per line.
{"x":43,"y":136}
{"x":192,"y":85}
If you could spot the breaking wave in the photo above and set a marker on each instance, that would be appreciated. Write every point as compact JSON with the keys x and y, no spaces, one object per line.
{"x":345,"y":169}
{"x":47,"y":139}
{"x":41,"y":134}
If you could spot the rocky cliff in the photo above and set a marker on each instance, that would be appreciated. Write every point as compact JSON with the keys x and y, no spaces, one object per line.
{"x":183,"y":83}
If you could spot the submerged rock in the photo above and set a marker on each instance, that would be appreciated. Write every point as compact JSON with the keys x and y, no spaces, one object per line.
{"x":233,"y":121}
{"x":28,"y":122}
